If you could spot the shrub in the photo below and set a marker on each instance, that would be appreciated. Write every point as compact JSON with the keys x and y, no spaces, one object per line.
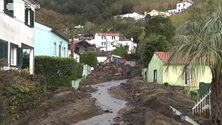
{"x":121,"y":51}
{"x":58,"y":71}
{"x":89,"y":58}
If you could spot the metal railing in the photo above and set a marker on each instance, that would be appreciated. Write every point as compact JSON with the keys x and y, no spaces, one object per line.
{"x":202,"y":105}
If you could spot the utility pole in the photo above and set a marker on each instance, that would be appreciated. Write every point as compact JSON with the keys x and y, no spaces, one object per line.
{"x":72,"y":42}
{"x":107,"y":48}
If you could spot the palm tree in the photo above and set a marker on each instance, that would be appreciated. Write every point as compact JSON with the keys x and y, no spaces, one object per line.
{"x":199,"y":43}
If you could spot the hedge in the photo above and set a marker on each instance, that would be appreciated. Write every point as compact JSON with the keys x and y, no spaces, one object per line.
{"x":89,"y":58}
{"x":58,"y":71}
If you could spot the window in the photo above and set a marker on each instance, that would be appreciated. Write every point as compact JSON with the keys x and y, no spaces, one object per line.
{"x":64,"y":54}
{"x":76,"y":58}
{"x":8,"y":7}
{"x":184,"y":4}
{"x":103,"y":43}
{"x":178,"y":10}
{"x":59,"y":50}
{"x":113,"y":37}
{"x":155,"y":75}
{"x":54,"y":48}
{"x":29,"y":17}
{"x":13,"y":56}
{"x":77,"y":49}
{"x":16,"y":55}
{"x":179,"y":5}
{"x":103,"y":37}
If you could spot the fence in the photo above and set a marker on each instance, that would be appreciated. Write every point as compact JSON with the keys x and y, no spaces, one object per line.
{"x":203,"y":105}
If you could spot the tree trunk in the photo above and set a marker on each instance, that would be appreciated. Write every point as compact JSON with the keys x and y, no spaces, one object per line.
{"x":216,"y":101}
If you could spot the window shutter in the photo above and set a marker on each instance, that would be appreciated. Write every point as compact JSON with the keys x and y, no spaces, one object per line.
{"x":19,"y":57}
{"x":26,"y":16}
{"x":5,"y":50}
{"x":31,"y":18}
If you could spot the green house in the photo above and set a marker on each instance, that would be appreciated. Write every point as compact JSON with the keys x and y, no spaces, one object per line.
{"x":157,"y":73}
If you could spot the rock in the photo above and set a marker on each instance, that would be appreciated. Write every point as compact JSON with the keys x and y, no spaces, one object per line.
{"x":125,"y":110}
{"x":119,"y":69}
{"x":122,"y":83}
{"x":106,"y":111}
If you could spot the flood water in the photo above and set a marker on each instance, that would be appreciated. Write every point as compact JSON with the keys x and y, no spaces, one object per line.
{"x":107,"y":102}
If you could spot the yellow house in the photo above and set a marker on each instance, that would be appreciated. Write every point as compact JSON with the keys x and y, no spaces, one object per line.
{"x":174,"y":76}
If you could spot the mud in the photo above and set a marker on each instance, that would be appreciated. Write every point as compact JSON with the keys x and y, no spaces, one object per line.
{"x":150,"y":102}
{"x":110,"y":105}
{"x":108,"y":72}
{"x":64,"y":106}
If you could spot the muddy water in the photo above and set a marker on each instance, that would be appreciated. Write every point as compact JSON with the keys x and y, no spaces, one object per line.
{"x":107,"y":102}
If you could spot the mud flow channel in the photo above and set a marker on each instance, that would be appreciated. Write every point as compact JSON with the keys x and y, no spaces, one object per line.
{"x":107,"y":102}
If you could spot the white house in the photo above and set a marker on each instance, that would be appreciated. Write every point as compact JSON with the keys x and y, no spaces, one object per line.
{"x":158,"y":13}
{"x":102,"y":39}
{"x":181,"y":7}
{"x":76,"y":55}
{"x":17,"y":31}
{"x":132,"y":46}
{"x":134,"y":15}
{"x":109,"y":42}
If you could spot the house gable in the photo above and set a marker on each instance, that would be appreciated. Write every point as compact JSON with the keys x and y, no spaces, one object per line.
{"x":155,"y":64}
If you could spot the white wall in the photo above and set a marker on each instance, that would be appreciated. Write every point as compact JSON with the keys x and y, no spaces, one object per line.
{"x":129,"y":43}
{"x":101,"y":58}
{"x":13,"y":30}
{"x":76,"y":56}
{"x":98,"y":42}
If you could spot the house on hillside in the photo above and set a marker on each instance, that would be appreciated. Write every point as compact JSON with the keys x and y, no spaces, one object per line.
{"x":48,"y":42}
{"x":81,"y":46}
{"x":109,"y":42}
{"x":134,"y":15}
{"x":181,"y":7}
{"x":103,"y":40}
{"x":17,"y":32}
{"x":154,"y":13}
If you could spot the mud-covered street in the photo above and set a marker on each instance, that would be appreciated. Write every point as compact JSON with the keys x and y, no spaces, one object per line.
{"x":112,"y":95}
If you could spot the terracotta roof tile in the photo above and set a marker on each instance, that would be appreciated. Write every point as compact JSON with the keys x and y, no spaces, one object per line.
{"x":108,"y":34}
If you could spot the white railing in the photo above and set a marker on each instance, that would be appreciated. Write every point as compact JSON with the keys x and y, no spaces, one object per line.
{"x":202,"y":105}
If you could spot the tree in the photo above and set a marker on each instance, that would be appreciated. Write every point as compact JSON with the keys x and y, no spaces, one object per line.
{"x":134,"y":32}
{"x":199,"y":44}
{"x":150,"y":45}
{"x":159,"y":25}
{"x":89,"y":58}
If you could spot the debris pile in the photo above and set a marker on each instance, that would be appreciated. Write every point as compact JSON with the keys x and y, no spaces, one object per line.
{"x":111,"y":71}
{"x":150,"y":103}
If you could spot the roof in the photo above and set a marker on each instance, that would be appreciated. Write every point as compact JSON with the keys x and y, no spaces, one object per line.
{"x":163,"y":56}
{"x":80,"y":41}
{"x":108,"y":34}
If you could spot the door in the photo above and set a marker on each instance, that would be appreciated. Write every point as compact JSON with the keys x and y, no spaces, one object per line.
{"x":155,"y":76}
{"x":60,"y":51}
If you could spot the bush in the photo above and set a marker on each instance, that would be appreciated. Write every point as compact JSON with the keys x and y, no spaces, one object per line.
{"x":58,"y":71}
{"x":89,"y":58}
{"x":121,"y":51}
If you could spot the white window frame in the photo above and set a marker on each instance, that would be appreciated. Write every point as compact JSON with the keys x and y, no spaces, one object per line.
{"x":13,"y":56}
{"x":64,"y":53}
{"x":54,"y":48}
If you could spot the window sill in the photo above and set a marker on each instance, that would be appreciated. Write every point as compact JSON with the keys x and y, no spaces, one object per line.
{"x":29,"y":25}
{"x":9,"y":13}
